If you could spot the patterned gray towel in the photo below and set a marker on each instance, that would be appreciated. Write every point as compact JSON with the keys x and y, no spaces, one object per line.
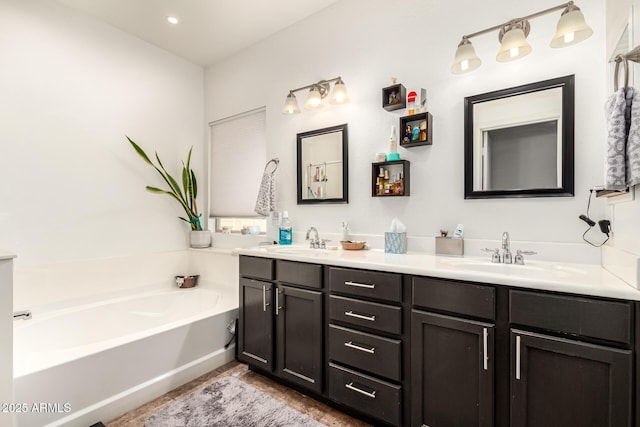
{"x":615,"y":164}
{"x":266,"y":201}
{"x":632,"y":163}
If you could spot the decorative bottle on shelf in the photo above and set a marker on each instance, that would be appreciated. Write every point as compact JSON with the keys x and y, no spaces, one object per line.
{"x":393,"y":145}
{"x":286,"y":230}
{"x":411,"y":103}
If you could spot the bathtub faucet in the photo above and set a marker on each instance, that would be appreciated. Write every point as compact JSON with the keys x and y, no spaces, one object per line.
{"x":23,"y":314}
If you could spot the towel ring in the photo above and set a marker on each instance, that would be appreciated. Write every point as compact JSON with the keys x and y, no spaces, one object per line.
{"x":625,"y":63}
{"x":275,"y":161}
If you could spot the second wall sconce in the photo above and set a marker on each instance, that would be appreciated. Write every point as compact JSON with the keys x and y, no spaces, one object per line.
{"x":571,"y":29}
{"x":317,"y":92}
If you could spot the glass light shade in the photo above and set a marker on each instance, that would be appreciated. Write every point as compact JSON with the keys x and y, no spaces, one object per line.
{"x":291,"y":105}
{"x":514,"y":46}
{"x":314,"y":100}
{"x":571,"y":28}
{"x":339,"y":94}
{"x":465,"y":59}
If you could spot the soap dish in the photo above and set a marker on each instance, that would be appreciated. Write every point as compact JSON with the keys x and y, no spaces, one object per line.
{"x":352,"y":246}
{"x":187,"y":281}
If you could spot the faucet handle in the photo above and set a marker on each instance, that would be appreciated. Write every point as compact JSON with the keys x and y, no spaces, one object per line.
{"x":495,"y":254}
{"x":519,"y":258}
{"x":323,"y":243}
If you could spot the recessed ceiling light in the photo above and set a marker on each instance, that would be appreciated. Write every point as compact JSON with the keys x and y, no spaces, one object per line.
{"x":172,"y":20}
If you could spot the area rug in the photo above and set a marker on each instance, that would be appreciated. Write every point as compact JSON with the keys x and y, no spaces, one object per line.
{"x":229,"y":402}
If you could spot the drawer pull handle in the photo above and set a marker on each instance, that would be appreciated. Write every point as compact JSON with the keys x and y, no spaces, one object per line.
{"x":360,"y":285}
{"x":350,"y":344}
{"x":350,"y":386}
{"x":350,"y":313}
{"x":264,"y":298}
{"x":518,"y":357}
{"x":485,"y":345}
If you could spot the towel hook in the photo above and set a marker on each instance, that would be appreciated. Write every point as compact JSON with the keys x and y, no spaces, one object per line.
{"x":275,"y":161}
{"x":625,"y":63}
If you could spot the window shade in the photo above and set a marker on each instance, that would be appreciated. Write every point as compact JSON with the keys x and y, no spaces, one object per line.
{"x":238,"y":155}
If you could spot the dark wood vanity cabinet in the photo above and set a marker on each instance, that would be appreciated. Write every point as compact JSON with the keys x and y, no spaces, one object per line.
{"x":281,"y":319}
{"x":405,"y":350}
{"x":255,"y":321}
{"x":365,"y":343}
{"x":299,"y":336}
{"x":452,"y":353}
{"x":577,"y":367}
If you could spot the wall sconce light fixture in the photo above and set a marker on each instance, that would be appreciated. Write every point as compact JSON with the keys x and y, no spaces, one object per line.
{"x":571,"y":29}
{"x":317,"y":92}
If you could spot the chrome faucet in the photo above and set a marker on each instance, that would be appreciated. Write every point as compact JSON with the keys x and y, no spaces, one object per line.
{"x":506,"y":248}
{"x":315,"y":242}
{"x":23,"y":314}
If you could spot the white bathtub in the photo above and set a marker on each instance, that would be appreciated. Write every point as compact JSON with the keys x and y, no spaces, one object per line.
{"x":94,"y":361}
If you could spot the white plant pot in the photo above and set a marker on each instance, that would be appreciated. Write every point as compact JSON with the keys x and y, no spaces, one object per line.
{"x":200,"y":238}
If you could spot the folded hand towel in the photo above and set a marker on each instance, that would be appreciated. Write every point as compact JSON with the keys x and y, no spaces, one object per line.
{"x":632,"y":163}
{"x":615,"y":169}
{"x":266,"y":201}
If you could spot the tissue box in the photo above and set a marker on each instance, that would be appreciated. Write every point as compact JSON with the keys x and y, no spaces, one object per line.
{"x":395,"y":243}
{"x":449,"y":246}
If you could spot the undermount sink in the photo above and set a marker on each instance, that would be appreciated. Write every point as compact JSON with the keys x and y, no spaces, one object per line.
{"x":539,"y":270}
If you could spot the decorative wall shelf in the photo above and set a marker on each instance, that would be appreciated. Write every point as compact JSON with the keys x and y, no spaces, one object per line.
{"x":394,"y":97}
{"x":416,"y":129}
{"x":389,"y":179}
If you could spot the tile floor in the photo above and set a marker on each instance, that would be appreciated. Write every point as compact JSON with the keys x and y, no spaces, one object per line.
{"x":316,"y":410}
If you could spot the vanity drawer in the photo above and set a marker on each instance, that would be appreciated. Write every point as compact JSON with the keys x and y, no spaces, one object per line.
{"x":260,"y":268}
{"x":455,"y":297}
{"x":371,"y":284}
{"x":371,"y":353}
{"x":381,"y":317}
{"x":299,"y":273}
{"x":371,"y":396}
{"x":587,"y":317}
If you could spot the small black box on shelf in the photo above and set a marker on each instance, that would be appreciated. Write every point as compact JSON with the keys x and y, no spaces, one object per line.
{"x":394,"y":97}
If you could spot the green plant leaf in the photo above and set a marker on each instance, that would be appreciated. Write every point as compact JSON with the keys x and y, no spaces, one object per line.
{"x":140,"y":151}
{"x":189,"y":205}
{"x":195,"y":185}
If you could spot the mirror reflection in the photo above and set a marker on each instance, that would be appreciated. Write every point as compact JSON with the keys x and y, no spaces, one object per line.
{"x":519,"y":141}
{"x":322,"y":165}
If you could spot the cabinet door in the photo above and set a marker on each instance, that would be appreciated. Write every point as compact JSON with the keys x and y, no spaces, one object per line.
{"x":299,"y":336}
{"x":557,"y":382}
{"x":452,"y":371}
{"x":255,"y":323}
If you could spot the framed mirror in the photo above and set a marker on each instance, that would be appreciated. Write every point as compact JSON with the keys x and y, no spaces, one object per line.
{"x":322,"y":165}
{"x":518,"y":142}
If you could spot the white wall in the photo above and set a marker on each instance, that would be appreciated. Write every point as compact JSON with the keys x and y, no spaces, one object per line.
{"x":369,"y":41}
{"x":72,"y":87}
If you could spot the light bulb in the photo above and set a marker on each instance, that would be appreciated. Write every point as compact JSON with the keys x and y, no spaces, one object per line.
{"x":464,"y":65}
{"x":513,"y":52}
{"x":568,"y":38}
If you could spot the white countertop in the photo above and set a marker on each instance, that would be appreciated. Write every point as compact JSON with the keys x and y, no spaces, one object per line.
{"x":6,"y":255}
{"x":583,"y":279}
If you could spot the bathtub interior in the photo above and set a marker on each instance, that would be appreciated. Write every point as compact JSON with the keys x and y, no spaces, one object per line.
{"x":145,"y":349}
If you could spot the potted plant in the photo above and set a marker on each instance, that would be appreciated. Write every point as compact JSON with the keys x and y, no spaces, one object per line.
{"x":186,"y":196}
